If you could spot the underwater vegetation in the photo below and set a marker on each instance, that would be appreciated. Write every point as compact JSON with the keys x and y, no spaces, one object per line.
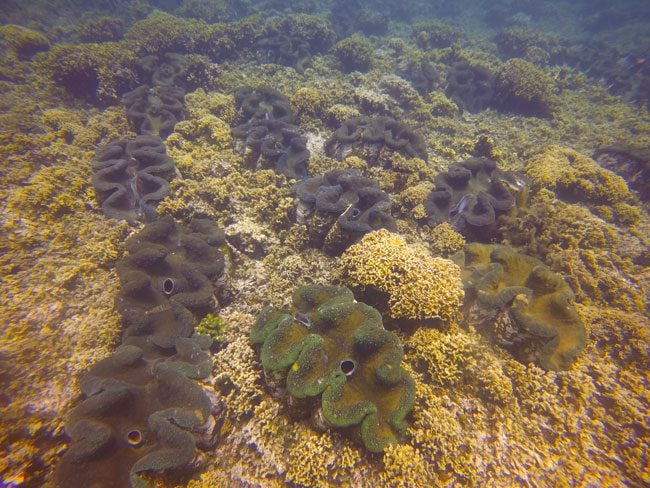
{"x":416,"y":234}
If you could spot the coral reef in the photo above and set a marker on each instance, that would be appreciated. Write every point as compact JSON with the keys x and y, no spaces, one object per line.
{"x":354,"y":53}
{"x":522,"y":305}
{"x":417,"y":286}
{"x":574,"y":177}
{"x":631,"y":163}
{"x":349,"y":17}
{"x":161,"y":32}
{"x":25,"y":42}
{"x":331,"y":346}
{"x":602,"y":263}
{"x":373,"y":139}
{"x":480,"y":416}
{"x":521,"y":87}
{"x":434,"y":34}
{"x":102,"y":29}
{"x":131,"y":176}
{"x":471,"y":195}
{"x":341,"y":206}
{"x":516,"y":42}
{"x":445,"y":240}
{"x":99,"y":73}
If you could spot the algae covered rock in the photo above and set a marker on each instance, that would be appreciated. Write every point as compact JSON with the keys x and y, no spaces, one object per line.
{"x":341,"y":206}
{"x":131,"y":177}
{"x":329,"y":347}
{"x":521,"y":304}
{"x":471,"y":195}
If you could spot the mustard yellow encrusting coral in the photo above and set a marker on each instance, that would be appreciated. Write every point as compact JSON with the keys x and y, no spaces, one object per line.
{"x":418,"y":286}
{"x":575,"y":176}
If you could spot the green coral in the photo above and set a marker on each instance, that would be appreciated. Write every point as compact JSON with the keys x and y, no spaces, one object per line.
{"x":522,"y":304}
{"x":330,"y":345}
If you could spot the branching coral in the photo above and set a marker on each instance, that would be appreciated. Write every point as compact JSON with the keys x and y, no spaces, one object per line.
{"x":524,"y":88}
{"x":447,"y":358}
{"x":160,"y":33}
{"x":603,"y":263}
{"x":418,"y":286}
{"x":445,"y":240}
{"x":354,"y":53}
{"x":26,"y":42}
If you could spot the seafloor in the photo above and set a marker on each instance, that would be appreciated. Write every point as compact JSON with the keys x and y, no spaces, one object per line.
{"x":481,"y":417}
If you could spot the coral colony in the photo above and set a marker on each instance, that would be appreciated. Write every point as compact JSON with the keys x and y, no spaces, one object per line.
{"x":340,"y":243}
